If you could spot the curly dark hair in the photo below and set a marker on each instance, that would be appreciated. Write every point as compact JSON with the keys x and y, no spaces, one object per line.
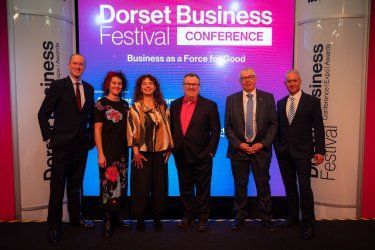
{"x":108,"y":78}
{"x":138,"y":95}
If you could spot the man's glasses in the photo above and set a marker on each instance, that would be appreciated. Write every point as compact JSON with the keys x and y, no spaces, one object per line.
{"x":191,"y":85}
{"x":245,"y":78}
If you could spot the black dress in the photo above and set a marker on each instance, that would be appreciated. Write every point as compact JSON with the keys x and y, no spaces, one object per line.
{"x":114,"y":176}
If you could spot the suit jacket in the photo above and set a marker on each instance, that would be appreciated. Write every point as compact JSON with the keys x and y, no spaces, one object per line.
{"x":266,"y":123}
{"x":69,"y":121}
{"x":202,"y":135}
{"x":298,"y":138}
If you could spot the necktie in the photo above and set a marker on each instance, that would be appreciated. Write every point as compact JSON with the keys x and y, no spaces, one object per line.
{"x":291,"y":111}
{"x":78,"y":95}
{"x":249,"y":117}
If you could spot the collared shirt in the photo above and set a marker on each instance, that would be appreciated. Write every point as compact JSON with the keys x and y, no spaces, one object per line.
{"x":244,"y":101}
{"x":83,"y":99}
{"x":296,"y":97}
{"x":187,"y":111}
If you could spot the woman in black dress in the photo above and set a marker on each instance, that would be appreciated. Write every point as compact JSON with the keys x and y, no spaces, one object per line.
{"x":110,"y":139}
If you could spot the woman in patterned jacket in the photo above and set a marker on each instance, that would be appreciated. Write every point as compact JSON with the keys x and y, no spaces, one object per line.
{"x":150,"y":137}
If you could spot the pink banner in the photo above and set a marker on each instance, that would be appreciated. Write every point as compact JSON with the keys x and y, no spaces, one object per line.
{"x":368,"y":187}
{"x":7,"y":208}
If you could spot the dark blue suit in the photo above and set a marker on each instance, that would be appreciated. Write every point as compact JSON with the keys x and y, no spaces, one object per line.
{"x":70,"y":137}
{"x":266,"y":128}
{"x":192,"y":154}
{"x":295,"y":145}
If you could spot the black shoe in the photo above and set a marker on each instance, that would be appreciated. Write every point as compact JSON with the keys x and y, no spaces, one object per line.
{"x":185,"y":223}
{"x":122,"y":224}
{"x":158,"y":225}
{"x":308,"y":233}
{"x":237,"y":224}
{"x":141,"y":225}
{"x":54,"y":236}
{"x":269,"y":226}
{"x":107,"y":228}
{"x":84,"y":224}
{"x":288,"y":222}
{"x":202,"y":226}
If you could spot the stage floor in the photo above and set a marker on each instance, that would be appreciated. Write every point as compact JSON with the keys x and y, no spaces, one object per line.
{"x":335,"y":234}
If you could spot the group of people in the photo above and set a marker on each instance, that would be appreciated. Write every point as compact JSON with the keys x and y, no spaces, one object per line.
{"x":190,"y":130}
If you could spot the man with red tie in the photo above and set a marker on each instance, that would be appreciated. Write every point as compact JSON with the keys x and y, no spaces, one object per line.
{"x":195,"y":129}
{"x":71,"y":101}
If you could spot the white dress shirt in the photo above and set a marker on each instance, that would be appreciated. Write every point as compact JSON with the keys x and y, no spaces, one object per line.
{"x":296,"y":97}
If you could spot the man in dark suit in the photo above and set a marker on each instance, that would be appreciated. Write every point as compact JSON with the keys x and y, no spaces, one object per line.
{"x":195,"y":126}
{"x":300,"y":138}
{"x":71,"y":101}
{"x":250,"y":126}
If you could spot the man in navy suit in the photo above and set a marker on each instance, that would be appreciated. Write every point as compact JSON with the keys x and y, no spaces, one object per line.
{"x":195,"y":126}
{"x":300,"y":138}
{"x":251,"y":126}
{"x":71,"y":101}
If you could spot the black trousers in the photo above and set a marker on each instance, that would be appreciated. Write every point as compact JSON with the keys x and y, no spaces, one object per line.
{"x":293,"y":170}
{"x":68,"y":167}
{"x":195,"y":188}
{"x":259,"y":164}
{"x":152,"y":178}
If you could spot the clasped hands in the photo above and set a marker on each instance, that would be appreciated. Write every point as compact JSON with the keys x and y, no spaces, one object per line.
{"x":255,"y":148}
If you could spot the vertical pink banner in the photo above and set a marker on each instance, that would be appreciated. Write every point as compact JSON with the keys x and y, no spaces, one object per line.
{"x":368,"y":187}
{"x":7,"y":208}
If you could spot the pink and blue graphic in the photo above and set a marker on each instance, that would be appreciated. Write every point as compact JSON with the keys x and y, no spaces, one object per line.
{"x":168,"y":39}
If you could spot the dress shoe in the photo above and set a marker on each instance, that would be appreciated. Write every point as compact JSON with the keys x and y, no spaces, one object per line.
{"x":269,"y":226}
{"x":237,"y":224}
{"x":288,"y":222}
{"x":185,"y":223}
{"x":54,"y":236}
{"x":122,"y":224}
{"x":84,"y":224}
{"x":107,"y":228}
{"x":202,"y":226}
{"x":158,"y":225}
{"x":141,"y":225}
{"x":308,"y":233}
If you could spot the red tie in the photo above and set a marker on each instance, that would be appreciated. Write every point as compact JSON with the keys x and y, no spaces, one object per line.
{"x":78,"y":96}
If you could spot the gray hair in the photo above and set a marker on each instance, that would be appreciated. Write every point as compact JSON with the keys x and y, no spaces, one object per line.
{"x":293,"y":71}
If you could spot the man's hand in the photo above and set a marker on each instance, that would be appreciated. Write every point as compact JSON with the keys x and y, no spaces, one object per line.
{"x":256,"y":147}
{"x":48,"y":144}
{"x":245,"y":148}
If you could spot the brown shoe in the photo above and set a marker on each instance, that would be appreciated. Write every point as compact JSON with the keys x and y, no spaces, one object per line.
{"x":185,"y":223}
{"x":237,"y":224}
{"x":202,"y":226}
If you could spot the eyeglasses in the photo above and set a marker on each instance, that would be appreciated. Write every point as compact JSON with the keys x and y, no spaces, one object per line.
{"x":191,"y":85}
{"x":245,"y":78}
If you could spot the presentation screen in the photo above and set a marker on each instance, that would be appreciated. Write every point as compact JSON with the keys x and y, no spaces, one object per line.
{"x":168,"y":39}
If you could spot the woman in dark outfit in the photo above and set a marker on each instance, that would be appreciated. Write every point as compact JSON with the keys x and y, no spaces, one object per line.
{"x":110,"y":137}
{"x":150,"y":137}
